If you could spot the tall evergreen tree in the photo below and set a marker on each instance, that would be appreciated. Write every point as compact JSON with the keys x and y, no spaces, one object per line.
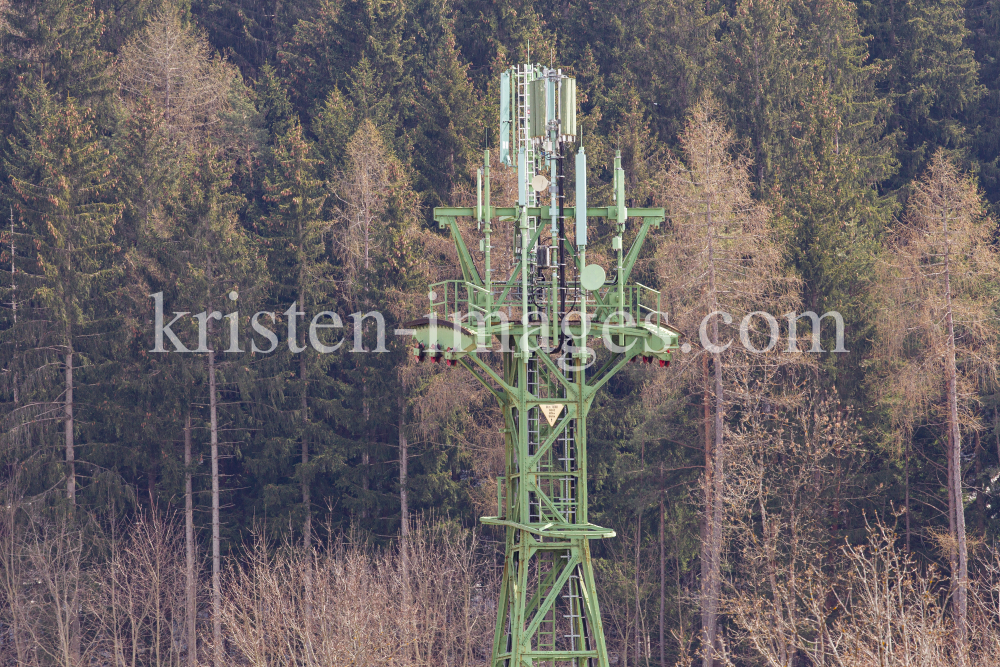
{"x":490,"y":32}
{"x":61,"y":179}
{"x":216,"y":267}
{"x":982,"y":118}
{"x":56,"y":42}
{"x":295,"y":237}
{"x":325,"y":50}
{"x":939,"y":79}
{"x":809,"y":102}
{"x":932,"y":77}
{"x":450,"y":122}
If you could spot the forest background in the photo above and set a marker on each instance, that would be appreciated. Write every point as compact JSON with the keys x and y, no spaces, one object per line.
{"x":789,"y":508}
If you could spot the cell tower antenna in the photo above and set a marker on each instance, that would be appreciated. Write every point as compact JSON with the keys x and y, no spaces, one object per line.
{"x":544,"y":319}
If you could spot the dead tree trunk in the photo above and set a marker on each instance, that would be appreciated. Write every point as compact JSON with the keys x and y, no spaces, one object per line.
{"x":306,"y":491}
{"x":68,"y":405}
{"x":190,"y":584}
{"x":663,"y":570}
{"x":960,"y":575}
{"x":365,"y":457}
{"x":404,"y":504}
{"x":711,"y":582}
{"x":404,"y":511}
{"x":638,"y":609}
{"x":906,"y":474}
{"x":980,"y":497}
{"x":68,"y":429}
{"x":216,"y":547}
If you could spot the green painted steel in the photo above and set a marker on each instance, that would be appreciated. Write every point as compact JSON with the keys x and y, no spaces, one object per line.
{"x":544,"y":346}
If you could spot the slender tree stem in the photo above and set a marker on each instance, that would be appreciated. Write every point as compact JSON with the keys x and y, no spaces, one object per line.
{"x":189,"y":548}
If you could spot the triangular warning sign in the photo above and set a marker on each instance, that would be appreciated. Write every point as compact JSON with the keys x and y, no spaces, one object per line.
{"x":551,"y":412}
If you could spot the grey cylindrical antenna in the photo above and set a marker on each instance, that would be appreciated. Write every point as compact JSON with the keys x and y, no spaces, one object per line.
{"x":581,"y":197}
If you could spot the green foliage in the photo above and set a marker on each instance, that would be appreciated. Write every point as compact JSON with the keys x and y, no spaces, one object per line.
{"x":56,"y":43}
{"x":62,"y":178}
{"x":982,"y":120}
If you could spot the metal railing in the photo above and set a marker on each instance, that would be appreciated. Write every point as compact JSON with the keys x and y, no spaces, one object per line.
{"x":465,"y":298}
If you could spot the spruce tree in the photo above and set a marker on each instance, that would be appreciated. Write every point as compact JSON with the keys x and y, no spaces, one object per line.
{"x":982,"y":120}
{"x":939,"y":79}
{"x":809,"y":102}
{"x":490,"y":32}
{"x":325,"y":50}
{"x":217,"y":268}
{"x":56,"y":42}
{"x":450,"y":122}
{"x":295,"y":235}
{"x":61,"y":179}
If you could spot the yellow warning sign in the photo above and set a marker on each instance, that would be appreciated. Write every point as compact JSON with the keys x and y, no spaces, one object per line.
{"x":551,"y":412}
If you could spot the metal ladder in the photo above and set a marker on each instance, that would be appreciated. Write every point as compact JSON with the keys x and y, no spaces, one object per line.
{"x":566,"y":500}
{"x":573,"y":599}
{"x":547,"y":632}
{"x":535,"y":508}
{"x":525,"y":74}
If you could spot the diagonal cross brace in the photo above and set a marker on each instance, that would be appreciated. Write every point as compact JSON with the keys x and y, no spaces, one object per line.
{"x":549,"y":600}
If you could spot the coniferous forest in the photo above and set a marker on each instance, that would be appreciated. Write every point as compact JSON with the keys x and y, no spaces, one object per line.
{"x":171,"y":169}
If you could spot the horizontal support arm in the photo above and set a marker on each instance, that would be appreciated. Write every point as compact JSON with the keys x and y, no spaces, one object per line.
{"x":443,"y":212}
{"x":588,"y":530}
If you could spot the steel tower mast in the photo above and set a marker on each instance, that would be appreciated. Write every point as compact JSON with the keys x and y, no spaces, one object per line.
{"x":542,"y":316}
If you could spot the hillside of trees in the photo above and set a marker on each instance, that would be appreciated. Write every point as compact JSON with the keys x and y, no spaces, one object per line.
{"x":239,"y":505}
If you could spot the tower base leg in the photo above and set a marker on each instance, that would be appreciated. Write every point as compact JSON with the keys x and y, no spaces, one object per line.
{"x":549,"y":613}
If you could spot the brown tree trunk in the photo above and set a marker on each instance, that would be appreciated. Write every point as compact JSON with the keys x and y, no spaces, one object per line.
{"x":663,"y":574}
{"x":638,"y":545}
{"x":980,"y":499}
{"x":190,"y":584}
{"x":306,"y":491}
{"x":216,"y":547}
{"x":404,"y":513}
{"x":906,"y":474}
{"x":306,"y":494}
{"x":365,"y":457}
{"x":961,"y":576}
{"x":707,"y":426}
{"x":68,"y":431}
{"x":708,"y":482}
{"x":711,"y":582}
{"x":74,"y":627}
{"x":404,"y":446}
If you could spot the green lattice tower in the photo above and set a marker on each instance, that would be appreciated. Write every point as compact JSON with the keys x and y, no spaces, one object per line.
{"x":529,"y":346}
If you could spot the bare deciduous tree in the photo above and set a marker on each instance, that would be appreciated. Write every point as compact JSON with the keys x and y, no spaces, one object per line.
{"x":720,"y":256}
{"x":790,"y":449}
{"x":172,"y":65}
{"x":365,"y":189}
{"x":141,"y":606}
{"x":357,"y":598}
{"x":936,"y":329}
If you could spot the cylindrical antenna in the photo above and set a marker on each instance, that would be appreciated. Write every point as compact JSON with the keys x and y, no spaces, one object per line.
{"x":581,"y":197}
{"x":489,"y":217}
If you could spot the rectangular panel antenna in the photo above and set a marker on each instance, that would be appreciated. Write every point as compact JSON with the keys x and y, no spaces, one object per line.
{"x":505,"y":118}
